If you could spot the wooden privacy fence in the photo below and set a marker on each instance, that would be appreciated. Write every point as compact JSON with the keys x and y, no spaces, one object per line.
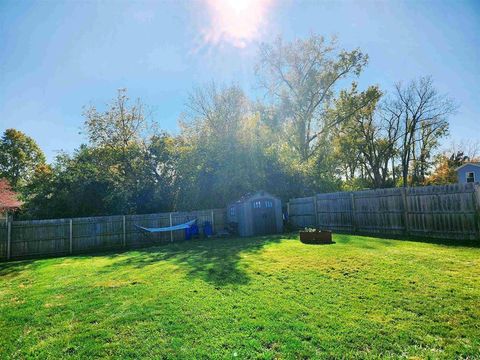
{"x":36,"y":238}
{"x":449,"y":211}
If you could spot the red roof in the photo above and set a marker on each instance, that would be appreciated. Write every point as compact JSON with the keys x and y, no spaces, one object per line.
{"x":8,"y":198}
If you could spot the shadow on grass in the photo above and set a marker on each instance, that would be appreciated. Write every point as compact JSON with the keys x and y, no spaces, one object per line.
{"x":345,"y":238}
{"x":216,"y":261}
{"x":14,"y":268}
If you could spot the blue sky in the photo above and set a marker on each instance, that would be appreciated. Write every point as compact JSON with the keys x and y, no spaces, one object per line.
{"x":56,"y":57}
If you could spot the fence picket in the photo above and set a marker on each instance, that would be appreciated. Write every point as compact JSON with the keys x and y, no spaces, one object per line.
{"x":9,"y":239}
{"x":71,"y":235}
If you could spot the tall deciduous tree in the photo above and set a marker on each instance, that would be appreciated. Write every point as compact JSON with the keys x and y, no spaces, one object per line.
{"x":228,"y":146}
{"x":120,"y":126}
{"x":19,"y":157}
{"x":302,"y":77}
{"x":214,"y":165}
{"x":366,"y":140}
{"x":422,"y":113}
{"x":139,"y":157}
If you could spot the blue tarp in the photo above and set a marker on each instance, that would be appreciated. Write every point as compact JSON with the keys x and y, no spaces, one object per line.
{"x":169,"y":228}
{"x":207,"y":229}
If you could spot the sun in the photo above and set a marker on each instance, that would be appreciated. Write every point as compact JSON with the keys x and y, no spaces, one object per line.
{"x":238,"y":5}
{"x":237,"y":22}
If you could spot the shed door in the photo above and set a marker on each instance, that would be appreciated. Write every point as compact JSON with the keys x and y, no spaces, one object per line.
{"x":263,"y":214}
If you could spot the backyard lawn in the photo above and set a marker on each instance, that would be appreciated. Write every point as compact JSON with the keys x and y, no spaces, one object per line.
{"x":270,"y":297}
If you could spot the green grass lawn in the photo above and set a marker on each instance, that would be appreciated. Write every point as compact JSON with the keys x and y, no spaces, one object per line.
{"x":271,"y":297}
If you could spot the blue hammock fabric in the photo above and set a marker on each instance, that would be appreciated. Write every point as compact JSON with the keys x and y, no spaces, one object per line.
{"x":169,"y":228}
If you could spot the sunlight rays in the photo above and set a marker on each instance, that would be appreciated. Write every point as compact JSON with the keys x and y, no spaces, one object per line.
{"x":236,"y":22}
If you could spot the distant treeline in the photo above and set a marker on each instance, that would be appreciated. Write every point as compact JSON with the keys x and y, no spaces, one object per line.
{"x":309,"y":134}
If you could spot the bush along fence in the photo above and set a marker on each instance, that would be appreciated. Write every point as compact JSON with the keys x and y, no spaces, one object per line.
{"x":39,"y":238}
{"x":449,"y":211}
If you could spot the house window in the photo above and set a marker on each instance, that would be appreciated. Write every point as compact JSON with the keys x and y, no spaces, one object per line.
{"x":470,"y":177}
{"x":257,"y":204}
{"x":232,"y":211}
{"x":268,"y":204}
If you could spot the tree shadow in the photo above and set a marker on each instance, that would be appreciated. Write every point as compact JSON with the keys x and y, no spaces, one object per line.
{"x":216,"y":261}
{"x":435,"y":241}
{"x":345,"y":237}
{"x":16,"y":267}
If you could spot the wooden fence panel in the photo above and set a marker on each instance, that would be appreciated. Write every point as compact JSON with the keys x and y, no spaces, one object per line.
{"x":96,"y":233}
{"x":334,"y":211}
{"x":450,"y":211}
{"x":37,"y":238}
{"x":379,"y":211}
{"x":442,"y":211}
{"x":3,"y":240}
{"x":302,"y":212}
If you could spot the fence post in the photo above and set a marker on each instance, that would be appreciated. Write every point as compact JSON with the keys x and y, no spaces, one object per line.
{"x":71,"y":235}
{"x":213,"y":222}
{"x":315,"y":210}
{"x":288,"y":212}
{"x":476,"y":208}
{"x":171,"y":232}
{"x":124,"y":230}
{"x":354,"y":212}
{"x":9,"y":238}
{"x":405,"y":209}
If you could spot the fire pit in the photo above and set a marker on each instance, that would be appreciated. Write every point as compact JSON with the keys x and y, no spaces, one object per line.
{"x":314,"y":236}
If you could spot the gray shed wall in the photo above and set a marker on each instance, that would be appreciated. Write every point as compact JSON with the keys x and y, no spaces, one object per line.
{"x":244,"y":213}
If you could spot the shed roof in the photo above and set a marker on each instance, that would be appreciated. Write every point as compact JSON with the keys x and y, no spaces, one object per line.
{"x":8,"y":198}
{"x":474,"y":163}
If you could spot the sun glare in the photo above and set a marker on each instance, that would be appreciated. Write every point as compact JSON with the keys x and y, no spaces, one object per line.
{"x":237,"y":22}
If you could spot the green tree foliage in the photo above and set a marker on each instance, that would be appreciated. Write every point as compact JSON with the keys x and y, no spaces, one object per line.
{"x":120,"y":126}
{"x":445,"y":168}
{"x":302,"y":78}
{"x":136,"y":157}
{"x":365,"y":143}
{"x":223,"y":148}
{"x":19,"y":157}
{"x":314,"y":134}
{"x":92,"y":182}
{"x":77,"y":185}
{"x":126,"y":167}
{"x":390,"y":138}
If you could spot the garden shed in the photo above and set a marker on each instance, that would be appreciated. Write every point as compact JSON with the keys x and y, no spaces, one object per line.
{"x":256,"y":214}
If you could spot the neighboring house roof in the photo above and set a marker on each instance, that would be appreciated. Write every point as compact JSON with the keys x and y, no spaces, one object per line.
{"x":8,"y":198}
{"x":468,"y":163}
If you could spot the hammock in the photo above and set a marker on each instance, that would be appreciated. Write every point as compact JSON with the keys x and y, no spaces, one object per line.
{"x":169,"y":228}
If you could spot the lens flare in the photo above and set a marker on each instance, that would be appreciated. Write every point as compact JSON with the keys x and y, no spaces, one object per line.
{"x":237,"y":22}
